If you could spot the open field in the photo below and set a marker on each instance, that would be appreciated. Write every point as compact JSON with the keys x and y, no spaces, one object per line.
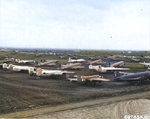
{"x":20,"y":92}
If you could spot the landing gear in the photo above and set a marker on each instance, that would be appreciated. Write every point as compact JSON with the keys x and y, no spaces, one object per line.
{"x":64,"y":76}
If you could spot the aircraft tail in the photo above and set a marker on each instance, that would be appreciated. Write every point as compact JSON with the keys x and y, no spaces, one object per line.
{"x":69,"y":60}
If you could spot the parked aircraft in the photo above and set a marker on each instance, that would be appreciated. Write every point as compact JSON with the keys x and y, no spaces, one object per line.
{"x":76,"y":60}
{"x":135,"y":59}
{"x":47,"y":73}
{"x":135,"y":78}
{"x":87,"y":79}
{"x":71,"y":66}
{"x":24,"y":61}
{"x":145,"y":64}
{"x":114,"y":57}
{"x":116,"y":64}
{"x":6,"y":60}
{"x":96,"y":62}
{"x":100,"y":68}
{"x":108,"y":62}
{"x":47,"y":63}
{"x":15,"y":67}
{"x":93,"y":79}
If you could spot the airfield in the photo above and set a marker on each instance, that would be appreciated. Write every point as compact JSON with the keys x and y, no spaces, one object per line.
{"x":24,"y":96}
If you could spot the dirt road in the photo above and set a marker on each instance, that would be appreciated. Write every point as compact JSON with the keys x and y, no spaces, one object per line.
{"x":118,"y":110}
{"x":107,"y":108}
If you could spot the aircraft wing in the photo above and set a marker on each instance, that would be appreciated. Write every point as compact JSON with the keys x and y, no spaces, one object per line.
{"x":128,"y":79}
{"x":49,"y":62}
{"x":99,"y":79}
{"x":71,"y":66}
{"x":95,"y":78}
{"x":105,"y":69}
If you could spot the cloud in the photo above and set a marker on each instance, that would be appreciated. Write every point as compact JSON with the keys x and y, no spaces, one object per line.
{"x":75,"y":24}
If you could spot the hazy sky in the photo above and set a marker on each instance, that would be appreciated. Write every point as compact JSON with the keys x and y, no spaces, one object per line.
{"x":79,"y":24}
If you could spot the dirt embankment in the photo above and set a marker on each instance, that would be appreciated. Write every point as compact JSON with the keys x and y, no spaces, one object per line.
{"x":106,"y":108}
{"x":119,"y":110}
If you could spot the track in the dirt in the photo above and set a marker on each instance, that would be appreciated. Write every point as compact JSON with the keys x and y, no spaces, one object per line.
{"x":116,"y":110}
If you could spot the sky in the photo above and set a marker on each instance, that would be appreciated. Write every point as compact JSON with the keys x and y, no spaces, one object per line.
{"x":75,"y":24}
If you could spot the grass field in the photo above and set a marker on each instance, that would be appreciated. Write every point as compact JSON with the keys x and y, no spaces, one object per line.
{"x":110,"y":52}
{"x":24,"y":56}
